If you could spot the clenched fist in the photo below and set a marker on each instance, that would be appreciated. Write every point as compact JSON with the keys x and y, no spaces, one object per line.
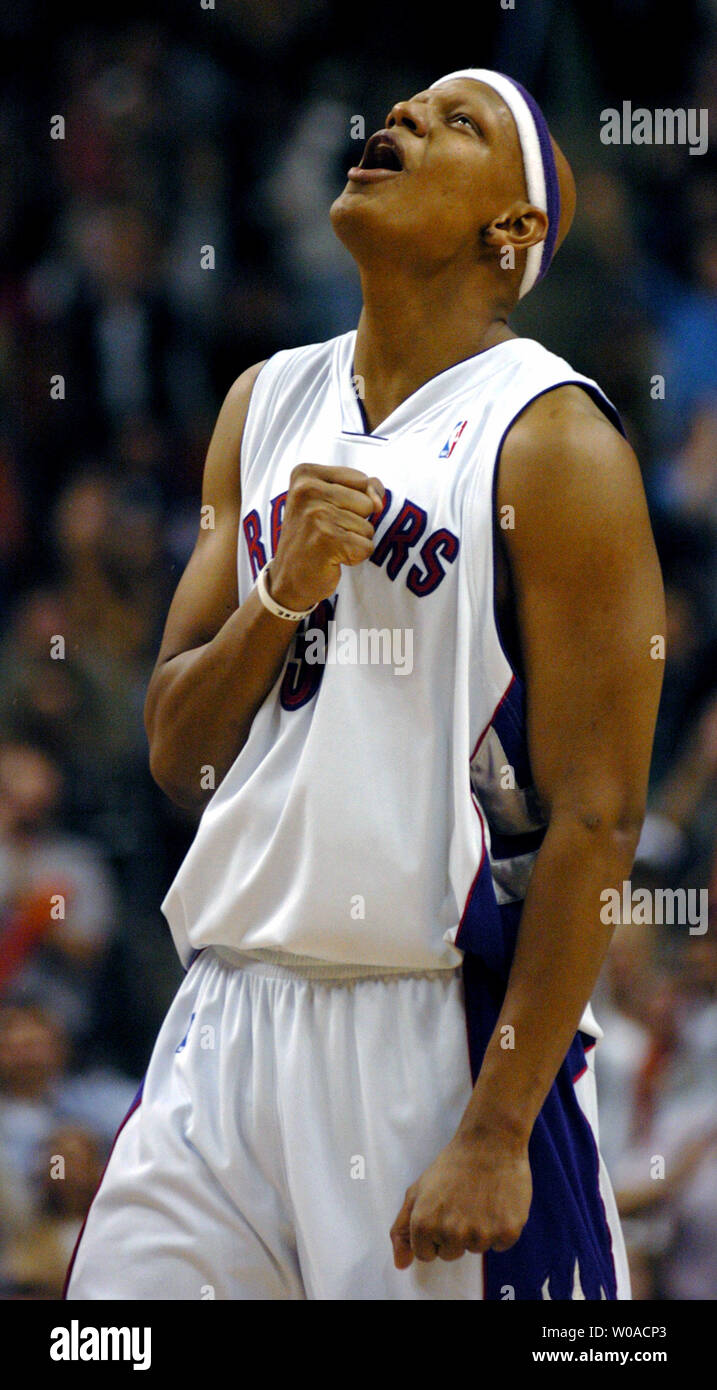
{"x":326,"y":525}
{"x":474,"y":1197}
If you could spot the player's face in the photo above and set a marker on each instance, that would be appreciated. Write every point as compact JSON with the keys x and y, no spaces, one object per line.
{"x":447,"y":162}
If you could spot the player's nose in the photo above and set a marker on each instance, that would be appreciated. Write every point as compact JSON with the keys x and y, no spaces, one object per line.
{"x":408,"y":113}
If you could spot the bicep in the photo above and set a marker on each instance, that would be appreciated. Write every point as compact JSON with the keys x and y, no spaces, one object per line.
{"x":206,"y":594}
{"x":591,"y":621}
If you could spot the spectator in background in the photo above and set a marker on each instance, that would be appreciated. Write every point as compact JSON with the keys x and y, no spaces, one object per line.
{"x":691,"y":642}
{"x":689,"y":1267}
{"x":654,"y":1070}
{"x":39,"y":1090}
{"x":687,"y":484}
{"x":627,"y":984}
{"x":683,"y":496}
{"x":110,"y":551}
{"x":86,"y":712}
{"x":298,"y":193}
{"x":78,"y":699}
{"x":687,"y":349}
{"x":663,"y":1174}
{"x":12,"y":521}
{"x":201,"y":220}
{"x":69,"y":1168}
{"x":118,"y":327}
{"x":679,"y":836}
{"x":33,"y":1057}
{"x":57,"y":901}
{"x":48,"y":1112}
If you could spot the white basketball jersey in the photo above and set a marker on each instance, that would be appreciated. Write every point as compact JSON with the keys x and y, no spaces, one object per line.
{"x":381,"y":811}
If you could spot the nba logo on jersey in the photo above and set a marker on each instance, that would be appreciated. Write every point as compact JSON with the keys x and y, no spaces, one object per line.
{"x":452,"y":440}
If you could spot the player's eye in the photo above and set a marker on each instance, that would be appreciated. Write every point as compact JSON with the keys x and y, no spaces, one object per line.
{"x":461,"y":116}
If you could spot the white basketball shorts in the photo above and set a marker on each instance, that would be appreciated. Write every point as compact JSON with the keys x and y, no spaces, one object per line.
{"x":281,"y":1119}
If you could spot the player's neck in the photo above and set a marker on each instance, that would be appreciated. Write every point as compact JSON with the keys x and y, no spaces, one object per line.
{"x":408,"y":333}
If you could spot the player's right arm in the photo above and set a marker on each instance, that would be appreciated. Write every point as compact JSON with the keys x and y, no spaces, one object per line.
{"x":218,"y":661}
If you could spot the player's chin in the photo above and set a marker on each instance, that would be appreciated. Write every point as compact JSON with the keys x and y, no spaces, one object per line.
{"x":349,"y":202}
{"x":366,"y":221}
{"x":357,"y":196}
{"x":351,"y":219}
{"x":338,"y":207}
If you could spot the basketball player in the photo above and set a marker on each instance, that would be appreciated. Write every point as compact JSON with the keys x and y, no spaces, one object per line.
{"x":376,"y":1080}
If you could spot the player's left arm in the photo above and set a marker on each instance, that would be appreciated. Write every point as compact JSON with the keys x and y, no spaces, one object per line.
{"x":590,"y":611}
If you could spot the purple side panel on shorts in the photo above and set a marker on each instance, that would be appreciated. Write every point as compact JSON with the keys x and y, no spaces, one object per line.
{"x":567,"y":1233}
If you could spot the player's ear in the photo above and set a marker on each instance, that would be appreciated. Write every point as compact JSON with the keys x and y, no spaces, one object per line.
{"x":521,"y":226}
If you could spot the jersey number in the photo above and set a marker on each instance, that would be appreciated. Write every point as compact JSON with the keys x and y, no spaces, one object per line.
{"x":302,"y":678}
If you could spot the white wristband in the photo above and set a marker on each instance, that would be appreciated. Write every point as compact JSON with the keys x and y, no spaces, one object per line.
{"x":269,"y":603}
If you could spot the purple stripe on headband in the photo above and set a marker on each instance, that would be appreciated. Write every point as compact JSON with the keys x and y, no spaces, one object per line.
{"x":552,"y":189}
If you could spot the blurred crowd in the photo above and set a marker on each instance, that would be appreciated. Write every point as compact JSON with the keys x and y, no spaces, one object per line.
{"x":176,"y":233}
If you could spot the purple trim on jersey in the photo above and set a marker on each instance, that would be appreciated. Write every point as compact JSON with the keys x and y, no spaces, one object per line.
{"x":484,"y":731}
{"x":509,"y":724}
{"x":567,"y":1221}
{"x":588,"y":1046}
{"x":552,"y":187}
{"x":485,"y":928}
{"x":134,"y":1106}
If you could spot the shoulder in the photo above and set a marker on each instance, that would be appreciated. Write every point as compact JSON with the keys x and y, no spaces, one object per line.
{"x":221,"y":469}
{"x":561,"y":417}
{"x":580,"y":520}
{"x":564,"y":455}
{"x":236,"y":401}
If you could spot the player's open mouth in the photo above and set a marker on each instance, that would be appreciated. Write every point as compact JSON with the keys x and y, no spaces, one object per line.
{"x":382,"y":159}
